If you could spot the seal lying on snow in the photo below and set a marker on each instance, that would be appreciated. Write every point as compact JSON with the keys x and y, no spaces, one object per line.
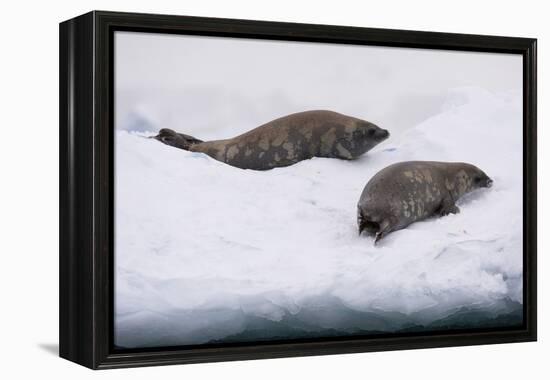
{"x":406,"y":192}
{"x":287,"y":140}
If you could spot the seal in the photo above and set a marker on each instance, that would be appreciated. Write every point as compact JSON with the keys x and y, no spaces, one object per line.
{"x":287,"y":140}
{"x":409,"y":191}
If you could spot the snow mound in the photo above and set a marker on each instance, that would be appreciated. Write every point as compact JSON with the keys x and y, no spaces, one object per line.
{"x":205,"y":250}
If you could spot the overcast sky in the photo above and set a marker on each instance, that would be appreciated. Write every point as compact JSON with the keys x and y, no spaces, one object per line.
{"x":213,"y":87}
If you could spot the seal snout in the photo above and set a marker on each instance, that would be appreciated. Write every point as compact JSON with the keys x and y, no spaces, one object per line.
{"x":377,"y":134}
{"x":383,"y":134}
{"x":372,"y":132}
{"x":489,"y":182}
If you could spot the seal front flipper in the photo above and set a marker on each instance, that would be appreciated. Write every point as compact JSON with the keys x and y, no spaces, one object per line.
{"x":447,"y":207}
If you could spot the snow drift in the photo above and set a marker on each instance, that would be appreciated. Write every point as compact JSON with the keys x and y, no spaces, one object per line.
{"x":206,"y":252}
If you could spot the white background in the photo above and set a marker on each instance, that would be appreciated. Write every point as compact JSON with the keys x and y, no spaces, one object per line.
{"x":238,"y":84}
{"x":29,"y":201}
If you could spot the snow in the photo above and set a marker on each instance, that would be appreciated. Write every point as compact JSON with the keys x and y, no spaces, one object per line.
{"x":203,"y":247}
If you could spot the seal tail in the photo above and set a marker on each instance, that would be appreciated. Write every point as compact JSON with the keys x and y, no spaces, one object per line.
{"x":175,"y":139}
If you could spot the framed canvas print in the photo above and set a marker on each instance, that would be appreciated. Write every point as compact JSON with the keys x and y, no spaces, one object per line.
{"x":236,"y":189}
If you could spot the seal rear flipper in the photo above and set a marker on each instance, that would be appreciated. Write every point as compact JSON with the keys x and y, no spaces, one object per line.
{"x":368,"y":224}
{"x":190,"y":139}
{"x":175,"y":139}
{"x":383,"y":231}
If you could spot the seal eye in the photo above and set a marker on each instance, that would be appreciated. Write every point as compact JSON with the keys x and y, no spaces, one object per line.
{"x":477,"y":179}
{"x":167,"y":138}
{"x":371,"y":132}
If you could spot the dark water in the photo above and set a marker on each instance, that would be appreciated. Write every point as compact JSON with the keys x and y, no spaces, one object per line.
{"x":353,"y":323}
{"x":316,"y":320}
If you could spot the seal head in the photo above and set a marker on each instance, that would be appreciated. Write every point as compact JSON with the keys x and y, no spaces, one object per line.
{"x":363,"y":138}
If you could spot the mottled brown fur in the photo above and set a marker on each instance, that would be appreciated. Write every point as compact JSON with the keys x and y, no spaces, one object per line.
{"x":287,"y":140}
{"x":406,"y":192}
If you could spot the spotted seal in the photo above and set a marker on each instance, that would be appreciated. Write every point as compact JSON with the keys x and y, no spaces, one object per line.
{"x":287,"y":140}
{"x":406,"y":192}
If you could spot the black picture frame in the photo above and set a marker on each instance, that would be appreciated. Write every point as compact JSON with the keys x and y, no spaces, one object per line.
{"x":87,"y":202}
